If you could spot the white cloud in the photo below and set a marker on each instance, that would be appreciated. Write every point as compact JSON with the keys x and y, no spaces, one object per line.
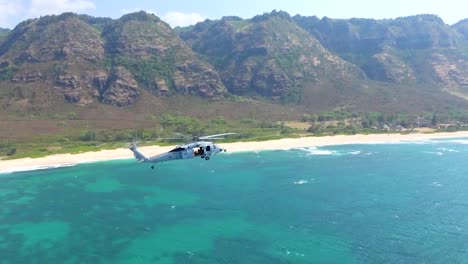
{"x":182,"y":19}
{"x":13,"y":12}
{"x":48,"y":7}
{"x":175,"y":19}
{"x":9,"y":10}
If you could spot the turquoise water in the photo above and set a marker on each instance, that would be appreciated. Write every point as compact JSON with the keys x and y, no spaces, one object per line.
{"x":385,"y":203}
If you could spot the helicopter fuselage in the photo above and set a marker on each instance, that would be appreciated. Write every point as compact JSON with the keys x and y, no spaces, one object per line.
{"x":197,"y":148}
{"x":202,"y":149}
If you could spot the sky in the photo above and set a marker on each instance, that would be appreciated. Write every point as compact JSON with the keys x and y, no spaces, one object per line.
{"x":188,"y":12}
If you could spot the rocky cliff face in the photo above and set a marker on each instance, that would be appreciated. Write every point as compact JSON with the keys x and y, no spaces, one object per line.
{"x":452,"y":72}
{"x":102,"y":60}
{"x":121,"y":89}
{"x":159,"y":59}
{"x":53,"y":52}
{"x":406,"y":50}
{"x":269,"y":55}
{"x":386,"y":66}
{"x":53,"y":38}
{"x":357,"y":39}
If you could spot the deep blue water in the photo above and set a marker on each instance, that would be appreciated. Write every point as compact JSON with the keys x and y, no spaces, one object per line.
{"x":383,"y":203}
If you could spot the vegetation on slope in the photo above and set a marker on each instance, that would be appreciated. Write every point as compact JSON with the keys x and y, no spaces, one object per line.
{"x":74,"y":82}
{"x":171,"y":129}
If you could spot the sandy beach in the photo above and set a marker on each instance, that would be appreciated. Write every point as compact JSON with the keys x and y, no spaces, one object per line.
{"x":286,"y":143}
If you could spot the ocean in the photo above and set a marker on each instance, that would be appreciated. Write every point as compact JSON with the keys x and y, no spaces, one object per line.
{"x":374,"y":203}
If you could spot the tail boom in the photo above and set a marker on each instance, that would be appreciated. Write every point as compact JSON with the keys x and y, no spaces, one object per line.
{"x":138,"y":155}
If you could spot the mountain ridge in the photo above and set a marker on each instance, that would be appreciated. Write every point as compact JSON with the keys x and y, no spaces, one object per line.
{"x":408,"y":64}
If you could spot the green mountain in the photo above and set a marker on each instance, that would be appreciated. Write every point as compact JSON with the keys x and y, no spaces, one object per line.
{"x":462,"y":28}
{"x":158,"y":59}
{"x":90,"y":60}
{"x":417,"y":50}
{"x":269,"y":55}
{"x":138,"y":65}
{"x":3,"y":33}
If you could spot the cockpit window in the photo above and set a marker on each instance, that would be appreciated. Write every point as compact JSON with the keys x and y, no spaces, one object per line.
{"x":177,"y":149}
{"x":208,"y":148}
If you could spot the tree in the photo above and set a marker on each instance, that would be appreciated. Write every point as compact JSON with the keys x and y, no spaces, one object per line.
{"x":305,"y":118}
{"x":315,"y":128}
{"x":435,"y":120}
{"x":11,"y":152}
{"x":88,"y":135}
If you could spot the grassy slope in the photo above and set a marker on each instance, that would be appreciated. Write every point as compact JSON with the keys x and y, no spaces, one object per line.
{"x":67,"y":128}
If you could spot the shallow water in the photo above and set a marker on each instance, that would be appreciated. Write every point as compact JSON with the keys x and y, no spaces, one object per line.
{"x":384,"y":203}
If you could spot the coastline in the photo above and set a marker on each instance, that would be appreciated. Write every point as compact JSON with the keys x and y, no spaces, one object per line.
{"x":63,"y":160}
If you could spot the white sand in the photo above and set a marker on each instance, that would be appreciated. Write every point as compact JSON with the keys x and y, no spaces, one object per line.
{"x":287,"y":143}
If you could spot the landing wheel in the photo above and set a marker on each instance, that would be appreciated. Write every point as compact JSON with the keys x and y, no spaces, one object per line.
{"x":207,"y":157}
{"x":152,"y":167}
{"x":202,"y":157}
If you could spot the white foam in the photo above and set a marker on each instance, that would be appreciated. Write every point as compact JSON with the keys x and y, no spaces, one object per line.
{"x":418,"y":141}
{"x":436,"y":184}
{"x":438,"y":153}
{"x":397,"y":142}
{"x":33,"y":168}
{"x":301,"y":182}
{"x":326,"y":152}
{"x":295,"y":253}
{"x":316,"y":151}
{"x":447,"y":150}
{"x":322,"y":152}
{"x":459,"y":141}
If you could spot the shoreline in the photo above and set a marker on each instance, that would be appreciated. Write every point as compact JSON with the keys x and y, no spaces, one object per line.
{"x":64,"y":160}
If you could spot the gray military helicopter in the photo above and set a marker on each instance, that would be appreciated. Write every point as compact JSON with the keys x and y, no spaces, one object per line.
{"x":199,"y":147}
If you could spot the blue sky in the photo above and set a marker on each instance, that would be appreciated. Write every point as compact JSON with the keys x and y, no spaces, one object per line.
{"x":186,"y":12}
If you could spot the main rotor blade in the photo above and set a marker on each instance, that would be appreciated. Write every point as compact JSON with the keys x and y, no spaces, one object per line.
{"x":216,"y":135}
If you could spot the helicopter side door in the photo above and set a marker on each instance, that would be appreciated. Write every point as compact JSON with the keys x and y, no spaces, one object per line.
{"x":188,"y":153}
{"x":191,"y":150}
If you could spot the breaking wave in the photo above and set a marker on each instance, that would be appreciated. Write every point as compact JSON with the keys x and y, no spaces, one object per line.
{"x":325,"y":152}
{"x":459,"y":141}
{"x":301,"y":182}
{"x":34,"y":168}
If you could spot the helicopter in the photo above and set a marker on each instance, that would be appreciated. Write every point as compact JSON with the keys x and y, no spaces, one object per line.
{"x":199,"y":147}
